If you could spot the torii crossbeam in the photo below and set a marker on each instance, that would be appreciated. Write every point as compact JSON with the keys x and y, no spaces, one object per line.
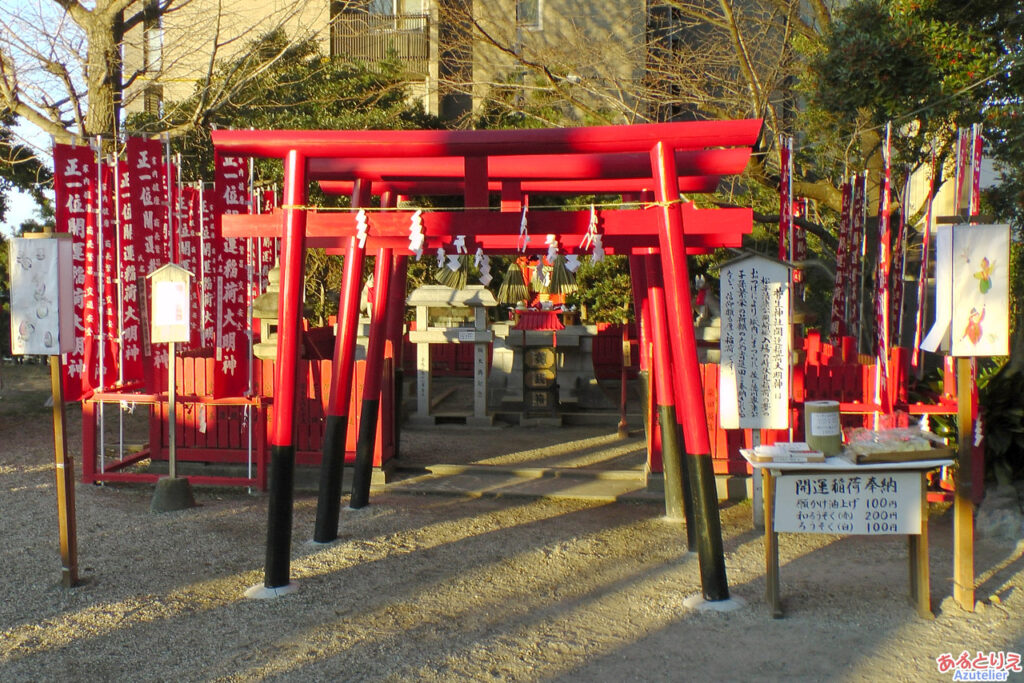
{"x":651,"y":164}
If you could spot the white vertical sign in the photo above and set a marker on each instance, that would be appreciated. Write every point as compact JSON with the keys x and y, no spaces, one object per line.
{"x":755,"y":344}
{"x":42,"y":319}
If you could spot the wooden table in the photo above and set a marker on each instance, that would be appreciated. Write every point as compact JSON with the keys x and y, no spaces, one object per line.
{"x":841,"y":497}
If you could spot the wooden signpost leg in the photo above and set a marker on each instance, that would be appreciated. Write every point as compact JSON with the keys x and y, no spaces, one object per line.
{"x":963,"y":506}
{"x":65,"y":470}
{"x":920,"y":580}
{"x":771,"y":546}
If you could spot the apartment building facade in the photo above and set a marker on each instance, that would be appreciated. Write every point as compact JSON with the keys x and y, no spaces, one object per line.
{"x":455,"y":53}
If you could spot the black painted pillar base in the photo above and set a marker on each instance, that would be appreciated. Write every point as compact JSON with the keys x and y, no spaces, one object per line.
{"x":279,"y":516}
{"x":711,"y":557}
{"x":678,"y":497}
{"x":328,"y":504}
{"x":362,"y":473}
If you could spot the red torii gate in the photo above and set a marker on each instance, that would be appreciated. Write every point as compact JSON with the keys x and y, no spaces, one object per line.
{"x":635,"y":160}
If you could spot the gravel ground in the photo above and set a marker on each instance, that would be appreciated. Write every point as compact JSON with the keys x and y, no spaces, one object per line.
{"x":444,"y":588}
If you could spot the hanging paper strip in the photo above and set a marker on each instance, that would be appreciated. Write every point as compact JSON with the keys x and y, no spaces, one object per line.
{"x":189,"y":250}
{"x":131,"y":332}
{"x":838,"y":326}
{"x":883,"y":271}
{"x":208,"y":269}
{"x":74,"y":181}
{"x":107,"y":239}
{"x":150,"y":218}
{"x":785,"y":198}
{"x":231,"y":378}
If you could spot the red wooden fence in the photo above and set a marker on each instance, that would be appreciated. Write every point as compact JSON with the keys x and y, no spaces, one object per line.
{"x":218,"y":431}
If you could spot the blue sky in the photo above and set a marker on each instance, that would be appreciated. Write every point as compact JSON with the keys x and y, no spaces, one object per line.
{"x":21,"y":207}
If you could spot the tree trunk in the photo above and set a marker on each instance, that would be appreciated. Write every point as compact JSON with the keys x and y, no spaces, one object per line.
{"x":102,"y":79}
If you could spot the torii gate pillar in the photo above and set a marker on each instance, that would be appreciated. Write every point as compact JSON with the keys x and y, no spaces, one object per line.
{"x":282,"y":448}
{"x":690,"y":396}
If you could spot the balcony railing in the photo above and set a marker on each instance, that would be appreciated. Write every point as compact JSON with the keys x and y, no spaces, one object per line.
{"x":376,"y":37}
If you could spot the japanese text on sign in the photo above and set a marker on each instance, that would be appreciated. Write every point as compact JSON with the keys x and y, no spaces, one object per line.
{"x":755,"y":344}
{"x":870,"y":502}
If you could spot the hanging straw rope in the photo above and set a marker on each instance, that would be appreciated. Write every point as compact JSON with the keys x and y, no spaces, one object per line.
{"x":457,"y":278}
{"x":562,"y":281}
{"x":513,"y":287}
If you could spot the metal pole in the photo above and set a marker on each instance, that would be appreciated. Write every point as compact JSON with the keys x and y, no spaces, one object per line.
{"x":282,"y":449}
{"x":328,"y":507}
{"x":98,"y":270}
{"x":684,"y":346}
{"x":120,"y":298}
{"x":362,"y":470}
{"x":172,"y":468}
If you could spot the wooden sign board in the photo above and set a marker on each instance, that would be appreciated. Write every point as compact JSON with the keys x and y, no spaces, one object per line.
{"x":169,"y":318}
{"x":873,"y":502}
{"x":42,"y":296}
{"x":755,"y":344}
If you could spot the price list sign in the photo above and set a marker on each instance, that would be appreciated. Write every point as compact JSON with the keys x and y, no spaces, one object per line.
{"x":873,"y":502}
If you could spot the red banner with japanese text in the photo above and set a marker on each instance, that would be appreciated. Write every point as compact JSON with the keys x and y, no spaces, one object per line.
{"x":883,"y":272}
{"x":838,"y":327}
{"x":858,"y":230}
{"x":74,"y":179}
{"x":189,"y":248}
{"x":899,"y":265}
{"x":922,"y":276}
{"x":978,"y":146}
{"x":267,"y":245}
{"x":231,"y":189}
{"x":108,"y":278}
{"x":148,"y":180}
{"x":962,"y":200}
{"x":785,"y":198}
{"x":208,"y":268}
{"x":131,"y":322}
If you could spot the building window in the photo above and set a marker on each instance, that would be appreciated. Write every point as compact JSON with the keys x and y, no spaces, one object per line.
{"x":153,"y":100}
{"x":528,"y":14}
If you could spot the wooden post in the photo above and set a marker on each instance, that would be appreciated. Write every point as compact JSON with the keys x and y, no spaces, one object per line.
{"x":771,"y":546}
{"x":963,"y":505}
{"x":65,"y":471}
{"x":920,"y":580}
